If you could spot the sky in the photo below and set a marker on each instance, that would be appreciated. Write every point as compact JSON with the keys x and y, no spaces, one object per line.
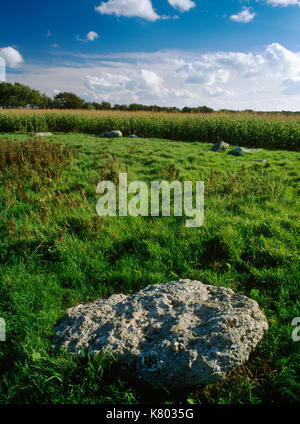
{"x":226,"y":54}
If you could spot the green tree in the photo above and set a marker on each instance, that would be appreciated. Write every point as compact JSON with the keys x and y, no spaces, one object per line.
{"x":19,"y":95}
{"x":67,"y":100}
{"x":105,"y":106}
{"x":120,"y":107}
{"x":88,"y":106}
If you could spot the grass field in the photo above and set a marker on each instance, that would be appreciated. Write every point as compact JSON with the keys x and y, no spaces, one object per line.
{"x":55,"y":252}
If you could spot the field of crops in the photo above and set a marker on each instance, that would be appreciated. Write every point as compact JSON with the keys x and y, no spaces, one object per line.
{"x":276,"y":131}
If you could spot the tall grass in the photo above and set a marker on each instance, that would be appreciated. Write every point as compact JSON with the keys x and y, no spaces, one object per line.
{"x":21,"y":160}
{"x":246,"y":129}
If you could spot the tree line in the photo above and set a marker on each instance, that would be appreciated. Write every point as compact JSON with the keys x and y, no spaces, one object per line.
{"x":21,"y":96}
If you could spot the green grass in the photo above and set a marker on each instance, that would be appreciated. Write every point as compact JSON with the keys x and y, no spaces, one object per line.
{"x":55,"y":252}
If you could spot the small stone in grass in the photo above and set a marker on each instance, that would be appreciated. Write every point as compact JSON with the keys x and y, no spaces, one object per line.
{"x":43,"y":134}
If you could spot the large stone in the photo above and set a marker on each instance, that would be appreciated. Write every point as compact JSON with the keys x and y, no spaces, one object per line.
{"x":174,"y":335}
{"x":112,"y":134}
{"x":43,"y":134}
{"x":239,"y":151}
{"x":220,"y":147}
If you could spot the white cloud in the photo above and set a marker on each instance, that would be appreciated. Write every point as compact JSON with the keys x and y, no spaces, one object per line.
{"x":283,"y":3}
{"x":182,"y":5}
{"x":11,"y":56}
{"x":268,"y":80}
{"x":150,"y":80}
{"x":286,"y":64}
{"x":217,"y":91}
{"x":244,"y":16}
{"x":234,"y":80}
{"x":106,"y":81}
{"x":92,"y":35}
{"x":126,"y":88}
{"x":129,"y":8}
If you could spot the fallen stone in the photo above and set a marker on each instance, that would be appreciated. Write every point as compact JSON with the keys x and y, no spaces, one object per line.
{"x":112,"y":134}
{"x":132,"y":136}
{"x":174,"y":335}
{"x":220,"y":147}
{"x":239,"y":151}
{"x":43,"y":134}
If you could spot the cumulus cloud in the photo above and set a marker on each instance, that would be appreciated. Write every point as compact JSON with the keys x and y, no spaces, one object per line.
{"x":284,"y":3}
{"x":285,"y":63}
{"x":244,"y":16}
{"x":129,"y":8}
{"x":220,"y":79}
{"x":132,"y":87}
{"x":92,"y":35}
{"x":217,"y":68}
{"x":268,"y":80}
{"x":150,"y":80}
{"x":106,"y":81}
{"x":11,"y":56}
{"x":182,"y":5}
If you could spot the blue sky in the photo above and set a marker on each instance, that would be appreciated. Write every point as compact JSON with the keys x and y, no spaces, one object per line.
{"x":235,"y":54}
